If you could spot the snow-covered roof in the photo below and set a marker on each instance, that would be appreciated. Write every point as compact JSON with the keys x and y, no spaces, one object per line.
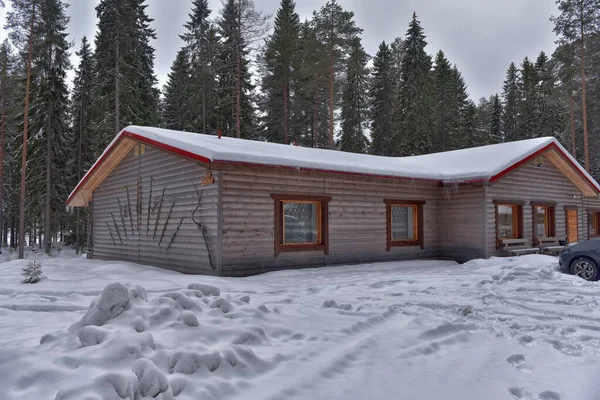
{"x":473,"y":164}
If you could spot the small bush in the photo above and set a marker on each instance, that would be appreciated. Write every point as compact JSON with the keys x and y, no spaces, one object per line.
{"x":32,"y":272}
{"x":466,"y":311}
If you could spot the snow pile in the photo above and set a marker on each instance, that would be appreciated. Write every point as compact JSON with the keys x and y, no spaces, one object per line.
{"x":154,"y":346}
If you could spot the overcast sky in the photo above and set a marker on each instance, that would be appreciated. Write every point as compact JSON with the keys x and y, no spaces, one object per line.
{"x":481,"y":36}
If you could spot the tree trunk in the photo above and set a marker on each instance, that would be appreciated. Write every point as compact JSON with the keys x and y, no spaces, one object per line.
{"x":316,"y":119}
{"x":117,"y":94}
{"x":285,"y":112}
{"x":583,"y":95}
{"x":331,"y":102}
{"x":24,"y":153}
{"x":238,"y":89}
{"x":79,"y":150}
{"x":48,"y":213}
{"x":574,"y":151}
{"x":203,"y":72}
{"x":2,"y":160}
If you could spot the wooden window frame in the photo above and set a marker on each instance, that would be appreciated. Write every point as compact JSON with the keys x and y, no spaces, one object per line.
{"x":418,"y":222}
{"x":549,"y":220}
{"x":593,"y":216}
{"x":517,"y":220}
{"x":322,"y":223}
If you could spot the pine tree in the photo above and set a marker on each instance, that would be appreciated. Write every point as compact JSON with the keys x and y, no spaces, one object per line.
{"x":280,"y":81}
{"x":50,"y":105}
{"x":354,"y":101}
{"x":382,"y":100}
{"x":496,"y":134}
{"x":335,"y":29}
{"x":48,"y":144}
{"x":81,"y":113}
{"x":176,"y":112}
{"x":415,"y":120}
{"x":510,"y":100}
{"x":578,"y":20}
{"x":124,"y":85}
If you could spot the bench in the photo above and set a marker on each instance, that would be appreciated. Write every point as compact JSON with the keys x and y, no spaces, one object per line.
{"x":518,"y":247}
{"x":549,"y":245}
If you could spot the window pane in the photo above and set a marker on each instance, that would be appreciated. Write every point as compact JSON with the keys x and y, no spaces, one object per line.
{"x":505,"y":222}
{"x":300,"y":223}
{"x":402,"y":223}
{"x":540,"y":221}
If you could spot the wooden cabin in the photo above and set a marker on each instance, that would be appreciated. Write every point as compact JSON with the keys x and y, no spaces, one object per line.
{"x":201,"y":204}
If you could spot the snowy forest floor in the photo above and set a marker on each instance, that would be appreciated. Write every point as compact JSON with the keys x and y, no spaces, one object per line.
{"x":504,"y":328}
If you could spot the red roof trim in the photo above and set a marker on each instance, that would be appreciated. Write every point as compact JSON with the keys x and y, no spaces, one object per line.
{"x":523,"y":161}
{"x":537,"y":153}
{"x":94,"y":167}
{"x":166,"y":147}
{"x":197,"y":157}
{"x":138,"y":138}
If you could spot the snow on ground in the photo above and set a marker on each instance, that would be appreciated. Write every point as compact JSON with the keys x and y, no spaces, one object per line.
{"x":510,"y":328}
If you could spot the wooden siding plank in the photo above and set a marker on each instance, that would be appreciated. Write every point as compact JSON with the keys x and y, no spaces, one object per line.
{"x":532,"y":183}
{"x":156,"y":170}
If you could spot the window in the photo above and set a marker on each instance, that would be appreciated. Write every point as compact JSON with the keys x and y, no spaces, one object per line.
{"x":594,"y":223}
{"x":543,"y":220}
{"x":509,"y":221}
{"x":404,"y":223}
{"x":301,"y":223}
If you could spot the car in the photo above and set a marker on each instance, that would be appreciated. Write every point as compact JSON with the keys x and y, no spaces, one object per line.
{"x":581,"y":259}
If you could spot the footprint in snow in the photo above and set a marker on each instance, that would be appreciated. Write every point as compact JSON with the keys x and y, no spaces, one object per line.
{"x":527,"y":340}
{"x":518,"y":361}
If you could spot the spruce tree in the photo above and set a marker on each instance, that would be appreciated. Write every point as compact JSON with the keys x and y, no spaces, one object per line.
{"x":383,"y":97}
{"x":510,"y":104}
{"x":49,"y":173}
{"x":311,"y":116}
{"x":444,"y":104}
{"x":124,"y":91}
{"x":528,"y":101}
{"x":496,"y":134}
{"x":235,"y":87}
{"x":355,"y":101}
{"x":460,"y":131}
{"x":6,"y":88}
{"x":199,"y":56}
{"x":551,"y":114}
{"x":177,"y":92}
{"x":335,"y":29}
{"x":473,"y":134}
{"x":281,"y":78}
{"x":81,"y":112}
{"x":415,"y":100}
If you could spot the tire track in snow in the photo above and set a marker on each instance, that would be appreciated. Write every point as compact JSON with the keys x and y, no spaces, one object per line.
{"x":339,"y":353}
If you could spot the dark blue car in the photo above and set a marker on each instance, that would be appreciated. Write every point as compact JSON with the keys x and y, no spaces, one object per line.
{"x":581,"y":259}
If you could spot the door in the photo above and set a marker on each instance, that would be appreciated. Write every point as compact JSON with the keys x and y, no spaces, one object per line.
{"x":572,"y":226}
